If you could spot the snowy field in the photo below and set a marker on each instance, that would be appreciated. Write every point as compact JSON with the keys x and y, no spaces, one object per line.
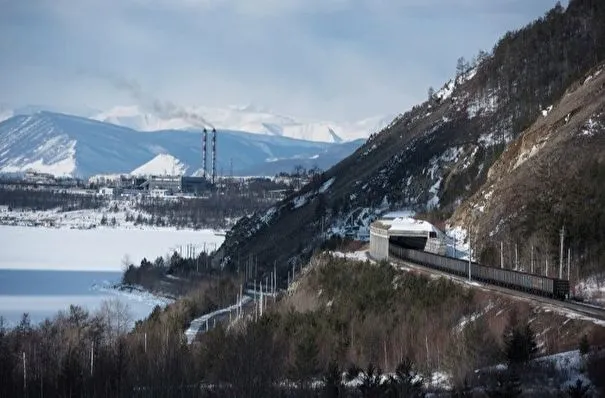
{"x":44,"y":270}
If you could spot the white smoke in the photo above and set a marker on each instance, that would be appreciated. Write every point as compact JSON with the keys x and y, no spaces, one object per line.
{"x":163,"y":109}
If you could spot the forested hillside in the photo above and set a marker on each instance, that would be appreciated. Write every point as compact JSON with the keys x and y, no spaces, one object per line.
{"x":438,"y":154}
{"x":551,"y":177}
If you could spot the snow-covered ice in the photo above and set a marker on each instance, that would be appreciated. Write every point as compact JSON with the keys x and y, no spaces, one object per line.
{"x":44,"y":270}
{"x":42,"y":293}
{"x":99,"y":249}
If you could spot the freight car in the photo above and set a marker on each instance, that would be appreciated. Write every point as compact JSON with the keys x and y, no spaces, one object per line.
{"x":535,"y":284}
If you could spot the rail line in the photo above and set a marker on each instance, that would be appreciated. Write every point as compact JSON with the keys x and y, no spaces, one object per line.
{"x":581,"y":309}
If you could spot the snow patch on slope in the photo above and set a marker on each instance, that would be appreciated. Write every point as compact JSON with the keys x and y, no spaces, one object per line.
{"x":62,"y":164}
{"x":590,"y":128}
{"x":5,"y":114}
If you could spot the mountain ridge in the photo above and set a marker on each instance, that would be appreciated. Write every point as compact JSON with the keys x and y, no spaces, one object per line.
{"x":64,"y":144}
{"x":250,"y":119}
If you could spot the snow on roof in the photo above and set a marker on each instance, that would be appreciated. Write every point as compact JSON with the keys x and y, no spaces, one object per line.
{"x":405,"y":224}
{"x":397,"y":214}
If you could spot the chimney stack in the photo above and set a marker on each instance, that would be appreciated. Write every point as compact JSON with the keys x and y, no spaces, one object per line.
{"x":213,"y":154}
{"x":204,"y":150}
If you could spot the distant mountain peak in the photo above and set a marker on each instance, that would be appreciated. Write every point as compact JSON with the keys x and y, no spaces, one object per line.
{"x":162,"y":164}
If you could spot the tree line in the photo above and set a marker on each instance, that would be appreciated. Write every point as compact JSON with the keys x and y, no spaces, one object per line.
{"x":369,"y":342}
{"x":41,"y":199}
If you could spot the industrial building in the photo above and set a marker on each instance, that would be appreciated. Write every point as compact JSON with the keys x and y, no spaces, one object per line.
{"x":170,"y":184}
{"x":195,"y":185}
{"x":405,"y":232}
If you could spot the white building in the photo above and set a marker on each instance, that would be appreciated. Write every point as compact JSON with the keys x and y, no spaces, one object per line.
{"x":106,"y":191}
{"x":158,"y":193}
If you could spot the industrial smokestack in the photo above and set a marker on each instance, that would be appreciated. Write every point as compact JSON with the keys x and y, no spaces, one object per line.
{"x":213,"y":154}
{"x":204,"y":150}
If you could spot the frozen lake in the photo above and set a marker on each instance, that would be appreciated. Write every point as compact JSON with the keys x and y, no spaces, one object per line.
{"x":44,"y":270}
{"x":100,"y":249}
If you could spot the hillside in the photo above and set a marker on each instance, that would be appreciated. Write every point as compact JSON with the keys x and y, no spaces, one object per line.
{"x":438,"y":154}
{"x":348,"y":312}
{"x":69,"y":145}
{"x":552,"y":176}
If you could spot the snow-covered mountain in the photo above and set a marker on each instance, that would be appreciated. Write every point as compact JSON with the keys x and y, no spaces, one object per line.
{"x":5,"y":114}
{"x":250,"y":119}
{"x":162,"y":164}
{"x":70,"y":145}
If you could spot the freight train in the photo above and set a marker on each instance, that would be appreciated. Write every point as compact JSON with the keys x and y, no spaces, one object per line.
{"x":534,"y":284}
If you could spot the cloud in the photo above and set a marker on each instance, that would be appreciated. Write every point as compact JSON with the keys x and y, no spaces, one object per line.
{"x":339,"y":59}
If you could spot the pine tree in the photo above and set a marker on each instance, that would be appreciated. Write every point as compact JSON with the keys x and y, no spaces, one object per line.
{"x":461,"y":67}
{"x":578,"y":390}
{"x":519,"y":344}
{"x":332,"y":379}
{"x":370,"y":384}
{"x":507,"y":385}
{"x":463,"y":391}
{"x":431,"y":93}
{"x":584,"y":346}
{"x":406,"y":382}
{"x":305,"y":363}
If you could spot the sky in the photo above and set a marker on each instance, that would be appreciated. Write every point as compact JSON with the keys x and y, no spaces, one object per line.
{"x":339,"y":60}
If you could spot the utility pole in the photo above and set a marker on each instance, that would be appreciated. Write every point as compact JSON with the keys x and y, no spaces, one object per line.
{"x":561,"y":254}
{"x":568,"y":261}
{"x":24,"y":375}
{"x":532,"y":260}
{"x":241,"y":297}
{"x":455,"y":256}
{"x":260,"y":302}
{"x":516,"y":258}
{"x":470,"y":251}
{"x":501,"y":254}
{"x":92,"y":357}
{"x":547,"y":266}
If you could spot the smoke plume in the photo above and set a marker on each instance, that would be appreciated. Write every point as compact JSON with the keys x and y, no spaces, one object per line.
{"x":163,"y":109}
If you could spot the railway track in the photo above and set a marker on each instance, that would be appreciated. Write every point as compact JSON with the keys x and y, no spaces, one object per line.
{"x":575,"y":307}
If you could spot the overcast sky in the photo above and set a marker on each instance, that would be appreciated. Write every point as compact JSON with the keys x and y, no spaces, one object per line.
{"x":340,"y":60}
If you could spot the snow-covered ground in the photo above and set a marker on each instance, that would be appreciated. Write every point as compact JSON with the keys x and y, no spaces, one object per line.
{"x":457,"y":243}
{"x":204,"y":322}
{"x":591,"y":289}
{"x":115,"y":212}
{"x":361,"y":255}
